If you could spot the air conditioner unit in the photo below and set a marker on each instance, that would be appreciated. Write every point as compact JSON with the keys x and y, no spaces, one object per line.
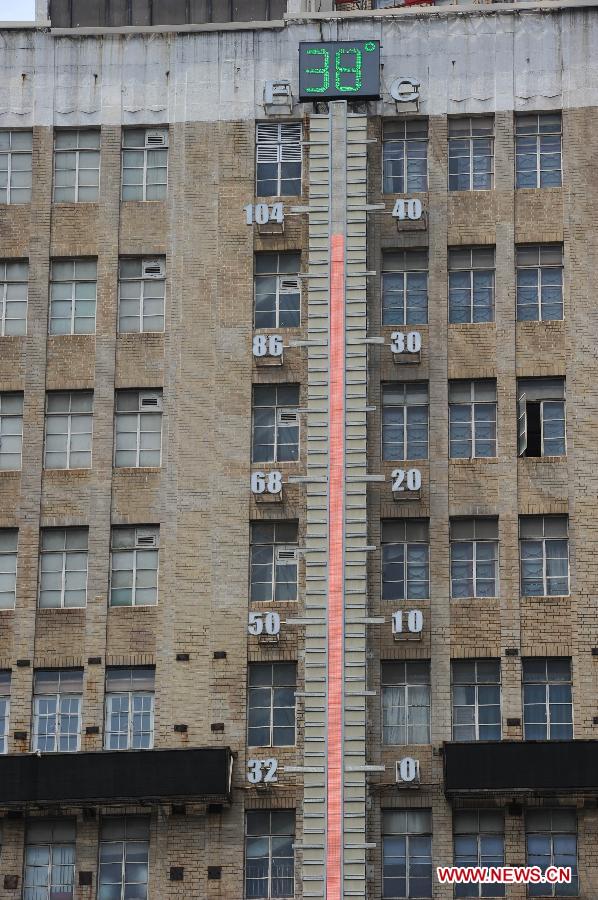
{"x":145,"y":538}
{"x":407,"y":772}
{"x":150,"y":402}
{"x":289,"y":285}
{"x":287,"y":416}
{"x":156,"y":137}
{"x":153,"y":268}
{"x":287,"y":554}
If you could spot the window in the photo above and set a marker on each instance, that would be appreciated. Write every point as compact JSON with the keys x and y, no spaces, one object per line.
{"x":271,"y":704}
{"x":471,"y":153}
{"x":15,"y":166}
{"x":124,"y":858}
{"x":405,"y":559}
{"x":474,"y":558}
{"x":49,"y":860}
{"x":145,"y":163}
{"x":69,"y":427}
{"x":4,"y":710}
{"x":471,"y":285}
{"x":405,"y":420}
{"x":134,"y":566}
{"x":138,"y":427}
{"x":278,"y":159}
{"x":476,"y":699}
{"x":8,"y":567}
{"x":129,"y":709}
{"x":539,"y":282}
{"x":269,"y":855}
{"x":277,"y":292}
{"x":405,"y":156}
{"x":275,"y":423}
{"x":547,"y":701}
{"x":14,"y":279}
{"x":479,"y":840}
{"x":405,"y":287}
{"x":551,"y":840}
{"x":538,"y":150}
{"x":541,"y":417}
{"x":63,"y":568}
{"x":544,"y":549}
{"x":472,"y":419}
{"x":76,"y":166}
{"x":11,"y":431}
{"x":406,"y":853}
{"x":57,"y":710}
{"x":406,"y":702}
{"x":273,"y":561}
{"x":73,"y":287}
{"x":141,"y":291}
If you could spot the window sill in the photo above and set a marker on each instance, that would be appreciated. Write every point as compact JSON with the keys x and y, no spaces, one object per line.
{"x":459,"y":599}
{"x":542,"y":460}
{"x":70,"y":204}
{"x":473,"y":460}
{"x":133,"y":609}
{"x":137,"y":470}
{"x":10,"y":473}
{"x":67,"y":473}
{"x":49,"y":610}
{"x":545,"y":597}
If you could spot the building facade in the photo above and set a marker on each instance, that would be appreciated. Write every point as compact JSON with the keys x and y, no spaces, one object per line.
{"x":297,"y":453}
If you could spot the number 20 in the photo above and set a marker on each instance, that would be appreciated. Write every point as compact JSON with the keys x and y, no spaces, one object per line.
{"x":410,"y":480}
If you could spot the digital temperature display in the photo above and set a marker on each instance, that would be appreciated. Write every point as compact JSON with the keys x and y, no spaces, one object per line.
{"x":339,"y":70}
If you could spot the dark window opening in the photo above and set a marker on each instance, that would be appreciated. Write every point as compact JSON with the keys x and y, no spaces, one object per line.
{"x":534,"y":429}
{"x":115,"y":13}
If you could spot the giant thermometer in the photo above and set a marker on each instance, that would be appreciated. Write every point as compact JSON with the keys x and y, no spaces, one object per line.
{"x":335,"y":764}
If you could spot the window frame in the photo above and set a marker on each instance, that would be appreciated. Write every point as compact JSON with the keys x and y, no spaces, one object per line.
{"x":403,"y":262}
{"x":271,"y":834}
{"x":74,"y":316}
{"x":407,"y":543}
{"x":78,"y":151}
{"x":553,"y":890}
{"x":476,"y":683}
{"x":260,"y":127}
{"x":3,"y":416}
{"x":5,"y":687}
{"x":4,"y":533}
{"x":142,"y":281}
{"x":540,"y":268}
{"x":135,"y":549}
{"x":57,"y":714}
{"x":124,"y":842}
{"x":474,"y":540}
{"x":145,"y":168}
{"x":472,"y":269}
{"x":406,"y":159}
{"x":51,"y":845}
{"x":271,"y":687}
{"x":111,"y":694}
{"x":69,"y":415}
{"x":482,"y":859}
{"x":547,"y":683}
{"x":545,"y":557}
{"x":394,"y":386}
{"x":406,"y":687}
{"x":275,"y":544}
{"x":280,"y":277}
{"x":538,"y":153}
{"x":407,"y":835}
{"x":472,"y":405}
{"x":5,"y":282}
{"x":10,"y":152}
{"x":158,"y":410}
{"x":277,"y":426}
{"x":63,"y":554}
{"x":471,"y":155}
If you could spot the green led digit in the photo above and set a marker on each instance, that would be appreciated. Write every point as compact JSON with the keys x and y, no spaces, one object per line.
{"x":348,"y":70}
{"x":324,"y":71}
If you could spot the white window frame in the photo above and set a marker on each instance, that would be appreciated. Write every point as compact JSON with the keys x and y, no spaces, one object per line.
{"x":145,"y":150}
{"x":3,"y":416}
{"x":139,"y":413}
{"x":44,"y":553}
{"x":407,"y":835}
{"x":538,"y":153}
{"x":405,"y":688}
{"x":131,"y":696}
{"x":477,"y":834}
{"x":70,"y":415}
{"x":123,"y":842}
{"x":550,"y":831}
{"x":546,"y":684}
{"x":404,"y":405}
{"x":406,"y":543}
{"x":405,"y":141}
{"x":31,"y":892}
{"x":5,"y":685}
{"x":472,"y":269}
{"x":10,"y":152}
{"x":57,"y":716}
{"x":276,"y":546}
{"x":279,"y":146}
{"x":280,"y":277}
{"x":472,"y":403}
{"x":142,"y":280}
{"x":12,"y":553}
{"x":5,"y":302}
{"x":271,"y":687}
{"x":476,"y":684}
{"x":472,"y":138}
{"x":278,"y":408}
{"x":73,"y":282}
{"x":135,"y":549}
{"x":269,"y":836}
{"x":545,"y":558}
{"x":540,"y":268}
{"x":79,"y":152}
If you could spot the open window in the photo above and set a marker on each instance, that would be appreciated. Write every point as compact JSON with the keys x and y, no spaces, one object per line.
{"x":541,"y":417}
